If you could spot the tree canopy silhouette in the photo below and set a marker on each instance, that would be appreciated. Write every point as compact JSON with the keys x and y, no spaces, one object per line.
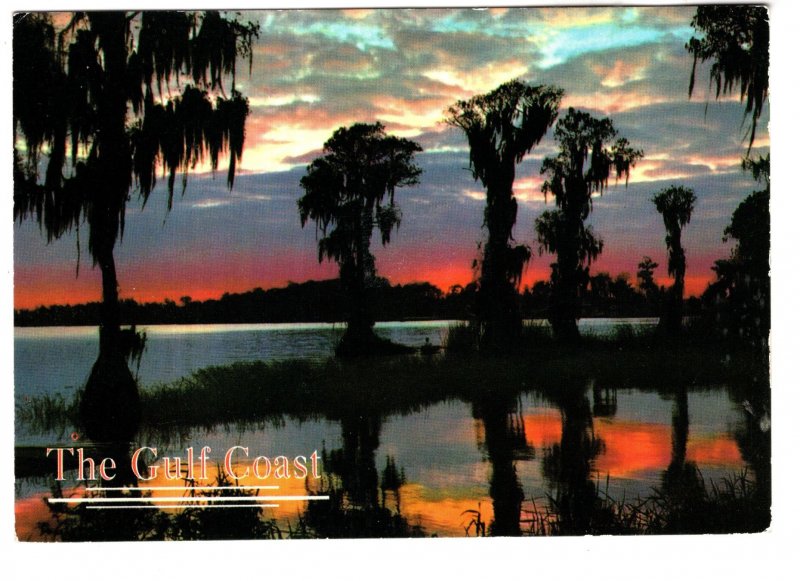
{"x":645,"y":279}
{"x":736,"y":40}
{"x":94,"y":118}
{"x":675,"y":204}
{"x":349,"y":191}
{"x":743,"y":280}
{"x":501,"y":128}
{"x":589,"y":151}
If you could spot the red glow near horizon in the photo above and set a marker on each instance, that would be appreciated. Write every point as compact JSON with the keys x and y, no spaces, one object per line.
{"x":204,"y":275}
{"x":35,"y":287}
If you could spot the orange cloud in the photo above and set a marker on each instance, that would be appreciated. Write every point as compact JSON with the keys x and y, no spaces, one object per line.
{"x":651,"y":170}
{"x":277,"y":136}
{"x":577,"y":17}
{"x":620,"y":73}
{"x":612,"y":102}
{"x":717,"y":163}
{"x":498,"y":12}
{"x":358,"y":13}
{"x":656,"y":168}
{"x":529,"y":189}
{"x":417,"y":115}
{"x":479,"y":80}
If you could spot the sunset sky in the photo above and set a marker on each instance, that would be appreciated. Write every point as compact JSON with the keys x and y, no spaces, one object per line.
{"x":317,"y":70}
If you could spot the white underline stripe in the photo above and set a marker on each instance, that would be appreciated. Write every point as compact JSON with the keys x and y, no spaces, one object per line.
{"x":255,"y":499}
{"x":187,"y":488}
{"x":204,"y":506}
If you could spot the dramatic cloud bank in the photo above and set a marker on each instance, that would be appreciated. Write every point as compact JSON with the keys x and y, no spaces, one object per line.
{"x":315,"y":71}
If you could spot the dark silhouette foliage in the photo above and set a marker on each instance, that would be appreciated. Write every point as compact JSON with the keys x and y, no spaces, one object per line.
{"x":675,"y":204}
{"x":349,"y":191}
{"x":644,"y":276}
{"x":501,"y":128}
{"x":589,"y":152}
{"x":736,"y":40}
{"x":94,"y":118}
{"x":740,"y":295}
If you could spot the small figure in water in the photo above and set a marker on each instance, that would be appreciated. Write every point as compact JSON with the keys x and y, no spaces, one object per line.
{"x":428,"y":348}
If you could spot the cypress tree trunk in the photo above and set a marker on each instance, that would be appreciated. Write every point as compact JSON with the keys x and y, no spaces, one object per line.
{"x":565,"y":299}
{"x":498,"y":309}
{"x":110,"y":407}
{"x":672,"y":318}
{"x":109,"y":308}
{"x":359,"y":338}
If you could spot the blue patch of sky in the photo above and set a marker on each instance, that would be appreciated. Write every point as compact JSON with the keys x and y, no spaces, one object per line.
{"x":499,"y":27}
{"x":630,"y":15}
{"x":571,"y":43}
{"x":363,"y":36}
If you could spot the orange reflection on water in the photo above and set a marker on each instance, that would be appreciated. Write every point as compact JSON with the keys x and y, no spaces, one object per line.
{"x":718,"y":451}
{"x":286,"y":509}
{"x":28,"y":514}
{"x":631,"y":448}
{"x":443,"y":511}
{"x":32,"y":511}
{"x":542,"y":427}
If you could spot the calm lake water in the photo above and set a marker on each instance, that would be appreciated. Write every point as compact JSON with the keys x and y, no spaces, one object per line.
{"x":455,"y":458}
{"x":50,"y":360}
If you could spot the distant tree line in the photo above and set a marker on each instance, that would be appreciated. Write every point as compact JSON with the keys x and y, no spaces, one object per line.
{"x":326,"y":301}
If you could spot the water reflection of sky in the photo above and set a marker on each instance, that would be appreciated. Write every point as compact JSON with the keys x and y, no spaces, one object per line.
{"x":449,"y":474}
{"x":441,"y":449}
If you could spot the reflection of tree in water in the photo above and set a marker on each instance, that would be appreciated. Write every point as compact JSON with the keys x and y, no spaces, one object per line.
{"x":505,"y":442}
{"x":754,"y":439}
{"x":357,"y":507}
{"x":391,"y":481}
{"x":352,"y":481}
{"x":98,"y":522}
{"x":685,"y":503}
{"x":604,"y":400}
{"x":567,"y":466}
{"x":680,"y":480}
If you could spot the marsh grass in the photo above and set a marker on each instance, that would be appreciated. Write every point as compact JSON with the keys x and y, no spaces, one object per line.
{"x":732,"y":505}
{"x":461,"y":339}
{"x":49,"y":413}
